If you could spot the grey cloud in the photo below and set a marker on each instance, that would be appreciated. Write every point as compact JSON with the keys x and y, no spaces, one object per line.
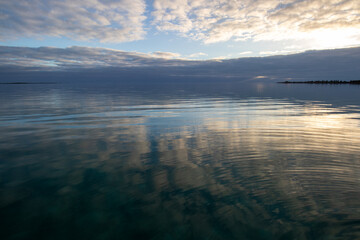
{"x":99,"y":63}
{"x":49,"y":58}
{"x":102,"y":20}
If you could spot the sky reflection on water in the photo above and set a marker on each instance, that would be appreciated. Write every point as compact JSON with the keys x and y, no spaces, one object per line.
{"x":176,"y":164}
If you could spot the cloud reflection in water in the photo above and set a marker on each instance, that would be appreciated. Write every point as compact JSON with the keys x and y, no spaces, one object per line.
{"x":252,"y":168}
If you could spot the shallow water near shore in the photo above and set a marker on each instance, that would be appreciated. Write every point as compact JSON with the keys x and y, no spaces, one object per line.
{"x":179,"y":161}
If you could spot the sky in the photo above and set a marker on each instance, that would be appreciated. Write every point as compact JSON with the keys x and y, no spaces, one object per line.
{"x":182,"y":29}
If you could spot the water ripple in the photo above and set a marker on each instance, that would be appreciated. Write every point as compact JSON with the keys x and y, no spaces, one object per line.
{"x":261,"y":167}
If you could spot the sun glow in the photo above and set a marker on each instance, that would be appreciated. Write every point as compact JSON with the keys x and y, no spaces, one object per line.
{"x":335,"y":38}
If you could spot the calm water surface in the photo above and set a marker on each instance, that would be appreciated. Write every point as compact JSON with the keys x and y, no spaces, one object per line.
{"x":195,"y":161}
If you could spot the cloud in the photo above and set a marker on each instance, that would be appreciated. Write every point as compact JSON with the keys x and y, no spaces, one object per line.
{"x":279,"y":52}
{"x":221,"y":20}
{"x":196,"y":55}
{"x":100,"y":20}
{"x":323,"y":23}
{"x":83,"y":57}
{"x":245,"y":53}
{"x":168,"y":55}
{"x":102,"y":63}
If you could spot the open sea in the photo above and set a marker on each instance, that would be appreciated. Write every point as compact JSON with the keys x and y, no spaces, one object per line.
{"x":204,"y":160}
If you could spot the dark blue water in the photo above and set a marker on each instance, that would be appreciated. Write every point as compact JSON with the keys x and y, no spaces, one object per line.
{"x":179,"y":161}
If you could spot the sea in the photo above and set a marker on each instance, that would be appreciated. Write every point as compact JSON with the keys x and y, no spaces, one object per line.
{"x":179,"y":160}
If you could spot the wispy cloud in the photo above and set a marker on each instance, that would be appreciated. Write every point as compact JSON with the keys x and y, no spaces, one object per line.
{"x":221,"y":20}
{"x":101,"y":20}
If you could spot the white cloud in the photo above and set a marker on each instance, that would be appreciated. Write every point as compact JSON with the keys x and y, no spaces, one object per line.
{"x":279,"y":52}
{"x":245,"y":53}
{"x":196,"y":55}
{"x":101,"y":20}
{"x":293,"y":47}
{"x":221,"y":20}
{"x":318,"y":23}
{"x":167,"y":55}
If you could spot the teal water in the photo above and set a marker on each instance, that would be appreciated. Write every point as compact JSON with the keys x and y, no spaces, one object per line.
{"x":179,"y":162}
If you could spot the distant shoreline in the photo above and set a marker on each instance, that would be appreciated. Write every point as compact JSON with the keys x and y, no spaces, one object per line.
{"x":28,"y":83}
{"x":324,"y":82}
